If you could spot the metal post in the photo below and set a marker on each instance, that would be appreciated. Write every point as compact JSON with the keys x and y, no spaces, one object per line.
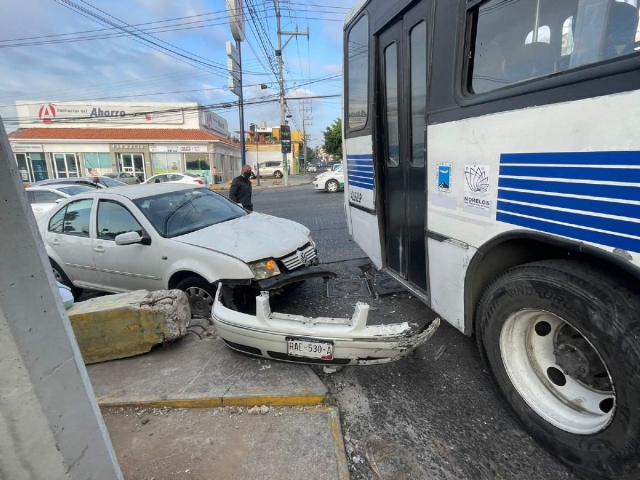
{"x":243,"y":155}
{"x":257,"y":164}
{"x":304,"y":139}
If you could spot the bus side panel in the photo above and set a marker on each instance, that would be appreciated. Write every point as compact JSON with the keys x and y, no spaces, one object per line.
{"x":359,"y":191}
{"x":448,"y":265}
{"x":493,"y":174}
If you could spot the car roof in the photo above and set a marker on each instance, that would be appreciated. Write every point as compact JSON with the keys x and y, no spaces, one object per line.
{"x":141,"y":191}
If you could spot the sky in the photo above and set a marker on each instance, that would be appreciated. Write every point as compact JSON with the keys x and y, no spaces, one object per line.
{"x":120,"y":67}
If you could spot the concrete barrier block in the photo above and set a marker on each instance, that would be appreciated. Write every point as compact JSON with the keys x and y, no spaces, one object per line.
{"x":128,"y":324}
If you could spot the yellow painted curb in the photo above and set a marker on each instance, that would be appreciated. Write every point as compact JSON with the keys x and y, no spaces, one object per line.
{"x":291,"y":401}
{"x":338,"y":442}
{"x":274,"y":401}
{"x":160,"y":403}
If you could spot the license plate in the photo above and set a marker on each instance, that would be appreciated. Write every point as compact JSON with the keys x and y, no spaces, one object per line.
{"x":309,"y":348}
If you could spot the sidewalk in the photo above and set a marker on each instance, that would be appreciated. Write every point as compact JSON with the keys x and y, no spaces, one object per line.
{"x":203,"y":373}
{"x":228,"y":443}
{"x":294,"y":181}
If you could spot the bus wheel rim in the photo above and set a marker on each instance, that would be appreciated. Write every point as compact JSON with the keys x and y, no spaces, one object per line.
{"x":557,"y":371}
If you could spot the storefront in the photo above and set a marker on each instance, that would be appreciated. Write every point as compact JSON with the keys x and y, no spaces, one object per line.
{"x":49,"y":144}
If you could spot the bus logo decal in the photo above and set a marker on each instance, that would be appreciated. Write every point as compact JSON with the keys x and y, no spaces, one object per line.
{"x":444,"y":177}
{"x":477,"y":178}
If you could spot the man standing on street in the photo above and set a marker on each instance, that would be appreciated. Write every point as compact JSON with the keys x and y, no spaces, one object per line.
{"x":240,"y":191}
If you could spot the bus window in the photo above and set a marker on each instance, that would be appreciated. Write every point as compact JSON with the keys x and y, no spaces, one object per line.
{"x":391,"y":97}
{"x":358,"y":73}
{"x":418,"y":42}
{"x":569,"y":34}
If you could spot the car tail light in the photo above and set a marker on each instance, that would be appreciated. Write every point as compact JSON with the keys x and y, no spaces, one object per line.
{"x":198,"y":181}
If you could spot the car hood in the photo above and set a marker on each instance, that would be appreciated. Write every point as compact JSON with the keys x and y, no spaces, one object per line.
{"x":250,"y":238}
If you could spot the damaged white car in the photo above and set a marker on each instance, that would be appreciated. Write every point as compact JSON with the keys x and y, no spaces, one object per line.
{"x":228,"y":261}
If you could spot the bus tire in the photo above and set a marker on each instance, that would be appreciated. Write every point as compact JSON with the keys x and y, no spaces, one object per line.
{"x":561,"y":339}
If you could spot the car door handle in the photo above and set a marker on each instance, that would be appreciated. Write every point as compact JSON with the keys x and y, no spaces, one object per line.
{"x":99,"y":250}
{"x":55,"y":242}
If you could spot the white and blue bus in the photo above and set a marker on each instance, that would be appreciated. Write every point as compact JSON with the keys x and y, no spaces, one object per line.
{"x":493,"y":168}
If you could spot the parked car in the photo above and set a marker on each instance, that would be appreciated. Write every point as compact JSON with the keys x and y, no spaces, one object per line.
{"x":94,"y":182}
{"x":330,"y":181}
{"x":312,"y":168}
{"x":43,"y":199}
{"x":171,"y":236}
{"x":271,"y":169}
{"x":188,"y":178}
{"x":124,"y":177}
{"x":333,"y":165}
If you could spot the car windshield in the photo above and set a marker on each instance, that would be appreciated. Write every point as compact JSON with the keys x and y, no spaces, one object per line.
{"x":338,"y":168}
{"x":75,"y":189}
{"x":185,"y":211}
{"x":109,"y":182}
{"x":193,"y":175}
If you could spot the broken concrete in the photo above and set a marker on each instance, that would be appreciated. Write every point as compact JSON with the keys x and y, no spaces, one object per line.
{"x":128,"y":324}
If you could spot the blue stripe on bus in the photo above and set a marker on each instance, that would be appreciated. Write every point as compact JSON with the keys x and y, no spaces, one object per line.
{"x":368,"y":175}
{"x":359,"y":163}
{"x":362,"y":168}
{"x":578,"y":219}
{"x":363,"y":156}
{"x":586,"y":205}
{"x":364,"y":178}
{"x":366,"y":186}
{"x":587,"y":189}
{"x":610,"y":240}
{"x":575,"y":173}
{"x":573,"y":158}
{"x":360,"y":179}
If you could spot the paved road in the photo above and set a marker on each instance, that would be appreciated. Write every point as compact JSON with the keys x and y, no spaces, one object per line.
{"x":433,"y":415}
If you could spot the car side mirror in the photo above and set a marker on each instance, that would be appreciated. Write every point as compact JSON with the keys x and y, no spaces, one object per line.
{"x":128,"y":238}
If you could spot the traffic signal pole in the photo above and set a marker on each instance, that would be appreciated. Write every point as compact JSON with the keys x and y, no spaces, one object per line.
{"x":281,"y":80}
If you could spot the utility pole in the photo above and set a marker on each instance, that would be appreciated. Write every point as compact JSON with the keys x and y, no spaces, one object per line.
{"x":281,"y":79}
{"x":304,"y":133}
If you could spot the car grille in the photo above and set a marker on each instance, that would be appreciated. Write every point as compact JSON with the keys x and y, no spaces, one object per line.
{"x":299,"y":258}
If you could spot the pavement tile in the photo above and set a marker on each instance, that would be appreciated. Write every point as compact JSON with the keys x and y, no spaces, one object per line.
{"x":202,"y":373}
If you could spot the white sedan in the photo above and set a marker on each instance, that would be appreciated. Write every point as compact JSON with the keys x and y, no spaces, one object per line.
{"x":227,"y":260}
{"x":43,"y":199}
{"x":188,"y":178}
{"x":330,"y":181}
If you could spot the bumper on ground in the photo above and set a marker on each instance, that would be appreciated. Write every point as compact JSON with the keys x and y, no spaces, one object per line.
{"x":354,"y":342}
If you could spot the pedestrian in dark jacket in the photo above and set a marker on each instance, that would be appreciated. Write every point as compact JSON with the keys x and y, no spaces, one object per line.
{"x":240,"y":191}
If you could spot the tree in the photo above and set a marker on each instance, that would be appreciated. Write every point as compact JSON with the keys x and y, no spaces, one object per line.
{"x":333,"y":139}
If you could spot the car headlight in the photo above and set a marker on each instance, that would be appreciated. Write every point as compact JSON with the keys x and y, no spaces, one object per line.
{"x":265,"y":269}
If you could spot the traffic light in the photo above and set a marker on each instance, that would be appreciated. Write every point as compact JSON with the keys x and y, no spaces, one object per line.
{"x":285,"y":138}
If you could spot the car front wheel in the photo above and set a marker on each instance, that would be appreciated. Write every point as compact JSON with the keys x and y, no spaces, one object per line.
{"x":277,"y":174}
{"x":200,"y":294}
{"x":562,"y":340}
{"x":332,"y":186}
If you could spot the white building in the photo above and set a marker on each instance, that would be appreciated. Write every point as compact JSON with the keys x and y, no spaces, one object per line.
{"x":69,"y":139}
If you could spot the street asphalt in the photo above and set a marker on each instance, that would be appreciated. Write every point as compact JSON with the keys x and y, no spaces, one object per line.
{"x":433,"y":415}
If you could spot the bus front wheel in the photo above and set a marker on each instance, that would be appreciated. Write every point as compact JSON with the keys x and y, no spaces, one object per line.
{"x":562,"y":341}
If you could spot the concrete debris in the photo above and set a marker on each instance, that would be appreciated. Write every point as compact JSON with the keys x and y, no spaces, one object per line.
{"x":128,"y":324}
{"x":254,"y":411}
{"x":264,"y":410}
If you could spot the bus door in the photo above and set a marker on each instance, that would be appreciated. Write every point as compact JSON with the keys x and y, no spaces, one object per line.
{"x":402,"y":62}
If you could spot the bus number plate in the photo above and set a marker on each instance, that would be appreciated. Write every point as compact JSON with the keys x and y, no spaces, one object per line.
{"x":356,"y":197}
{"x":309,"y":348}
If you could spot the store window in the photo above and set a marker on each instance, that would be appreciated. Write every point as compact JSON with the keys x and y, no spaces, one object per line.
{"x":98,"y":163}
{"x":198,"y":164}
{"x":32,"y":166}
{"x":66,"y":165}
{"x":166,"y":162}
{"x":523,"y":40}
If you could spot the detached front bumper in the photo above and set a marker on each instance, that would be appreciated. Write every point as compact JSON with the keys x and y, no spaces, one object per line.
{"x":354,"y":342}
